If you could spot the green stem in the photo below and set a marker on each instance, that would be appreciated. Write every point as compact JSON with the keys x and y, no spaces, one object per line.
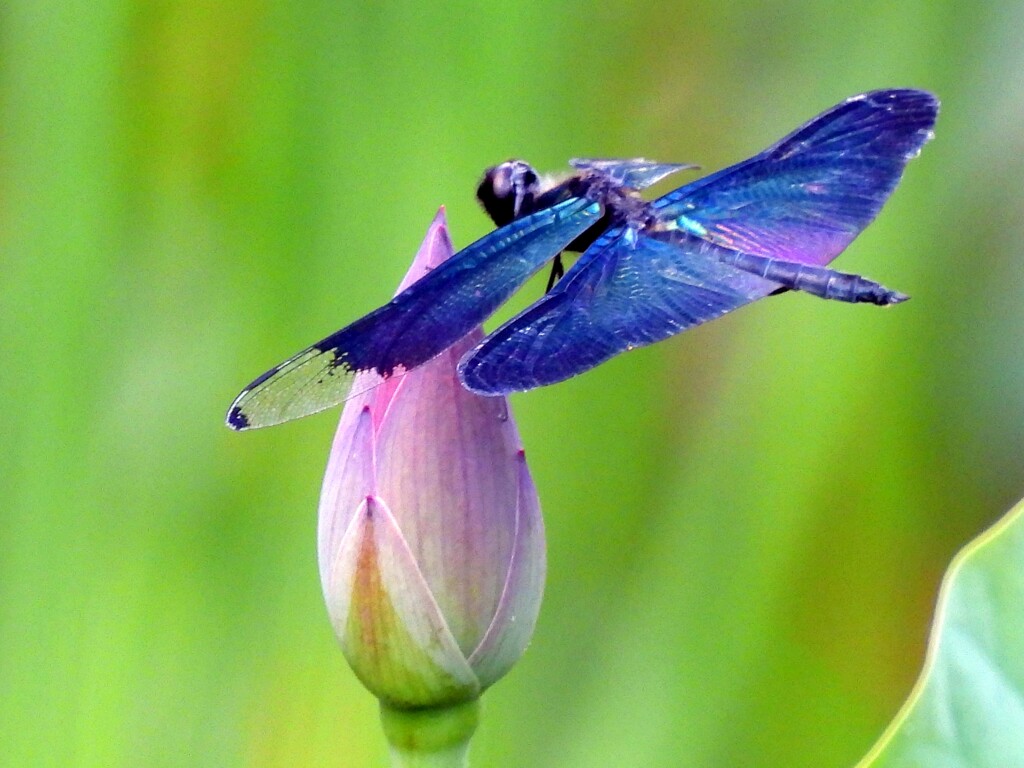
{"x":430,"y":738}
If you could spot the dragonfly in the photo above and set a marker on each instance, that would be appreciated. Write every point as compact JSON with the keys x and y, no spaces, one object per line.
{"x":648,"y":269}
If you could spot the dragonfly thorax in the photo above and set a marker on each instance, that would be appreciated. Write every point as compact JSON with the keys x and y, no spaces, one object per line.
{"x":513,"y":189}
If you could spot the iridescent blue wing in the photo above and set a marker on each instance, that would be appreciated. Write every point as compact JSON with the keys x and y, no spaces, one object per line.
{"x":419,"y":323}
{"x":807,"y":197}
{"x":637,"y":173}
{"x":624,"y":292}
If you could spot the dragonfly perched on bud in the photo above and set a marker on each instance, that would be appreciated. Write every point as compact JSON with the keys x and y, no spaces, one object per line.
{"x":648,"y":269}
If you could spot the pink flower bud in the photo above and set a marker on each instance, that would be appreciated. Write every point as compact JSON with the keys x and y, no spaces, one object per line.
{"x":431,"y":541}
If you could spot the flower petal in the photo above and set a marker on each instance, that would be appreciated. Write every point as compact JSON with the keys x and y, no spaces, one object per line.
{"x":391,"y":630}
{"x":349,"y":479}
{"x":513,"y":624}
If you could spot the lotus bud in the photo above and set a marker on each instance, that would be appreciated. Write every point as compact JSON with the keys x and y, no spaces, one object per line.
{"x":431,"y":542}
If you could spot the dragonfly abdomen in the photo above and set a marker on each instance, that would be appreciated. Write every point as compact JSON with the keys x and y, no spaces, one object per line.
{"x":819,"y":281}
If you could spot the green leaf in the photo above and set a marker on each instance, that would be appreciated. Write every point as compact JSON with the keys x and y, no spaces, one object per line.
{"x":967,"y":708}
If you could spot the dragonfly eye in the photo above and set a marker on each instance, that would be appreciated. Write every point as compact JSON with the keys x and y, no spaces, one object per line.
{"x":507,"y":190}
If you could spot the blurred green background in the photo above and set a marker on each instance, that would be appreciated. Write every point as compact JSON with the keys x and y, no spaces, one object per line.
{"x":747,"y":524}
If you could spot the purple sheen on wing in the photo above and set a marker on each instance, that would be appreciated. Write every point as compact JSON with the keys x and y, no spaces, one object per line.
{"x":806,"y":197}
{"x":789,"y":241}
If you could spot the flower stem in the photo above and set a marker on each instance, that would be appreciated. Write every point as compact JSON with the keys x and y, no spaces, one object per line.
{"x":435,"y":737}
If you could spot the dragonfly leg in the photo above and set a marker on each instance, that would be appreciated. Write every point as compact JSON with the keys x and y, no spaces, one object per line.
{"x":557,"y":270}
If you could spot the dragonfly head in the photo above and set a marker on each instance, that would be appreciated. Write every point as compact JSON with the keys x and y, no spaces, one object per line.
{"x":506,"y":191}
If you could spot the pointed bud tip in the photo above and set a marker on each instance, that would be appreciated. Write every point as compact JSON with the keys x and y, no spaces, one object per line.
{"x":436,"y":249}
{"x":437,"y":245}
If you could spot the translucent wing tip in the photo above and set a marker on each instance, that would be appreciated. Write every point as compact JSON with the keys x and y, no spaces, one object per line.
{"x":236,"y":418}
{"x":308,"y":383}
{"x":635,"y":173}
